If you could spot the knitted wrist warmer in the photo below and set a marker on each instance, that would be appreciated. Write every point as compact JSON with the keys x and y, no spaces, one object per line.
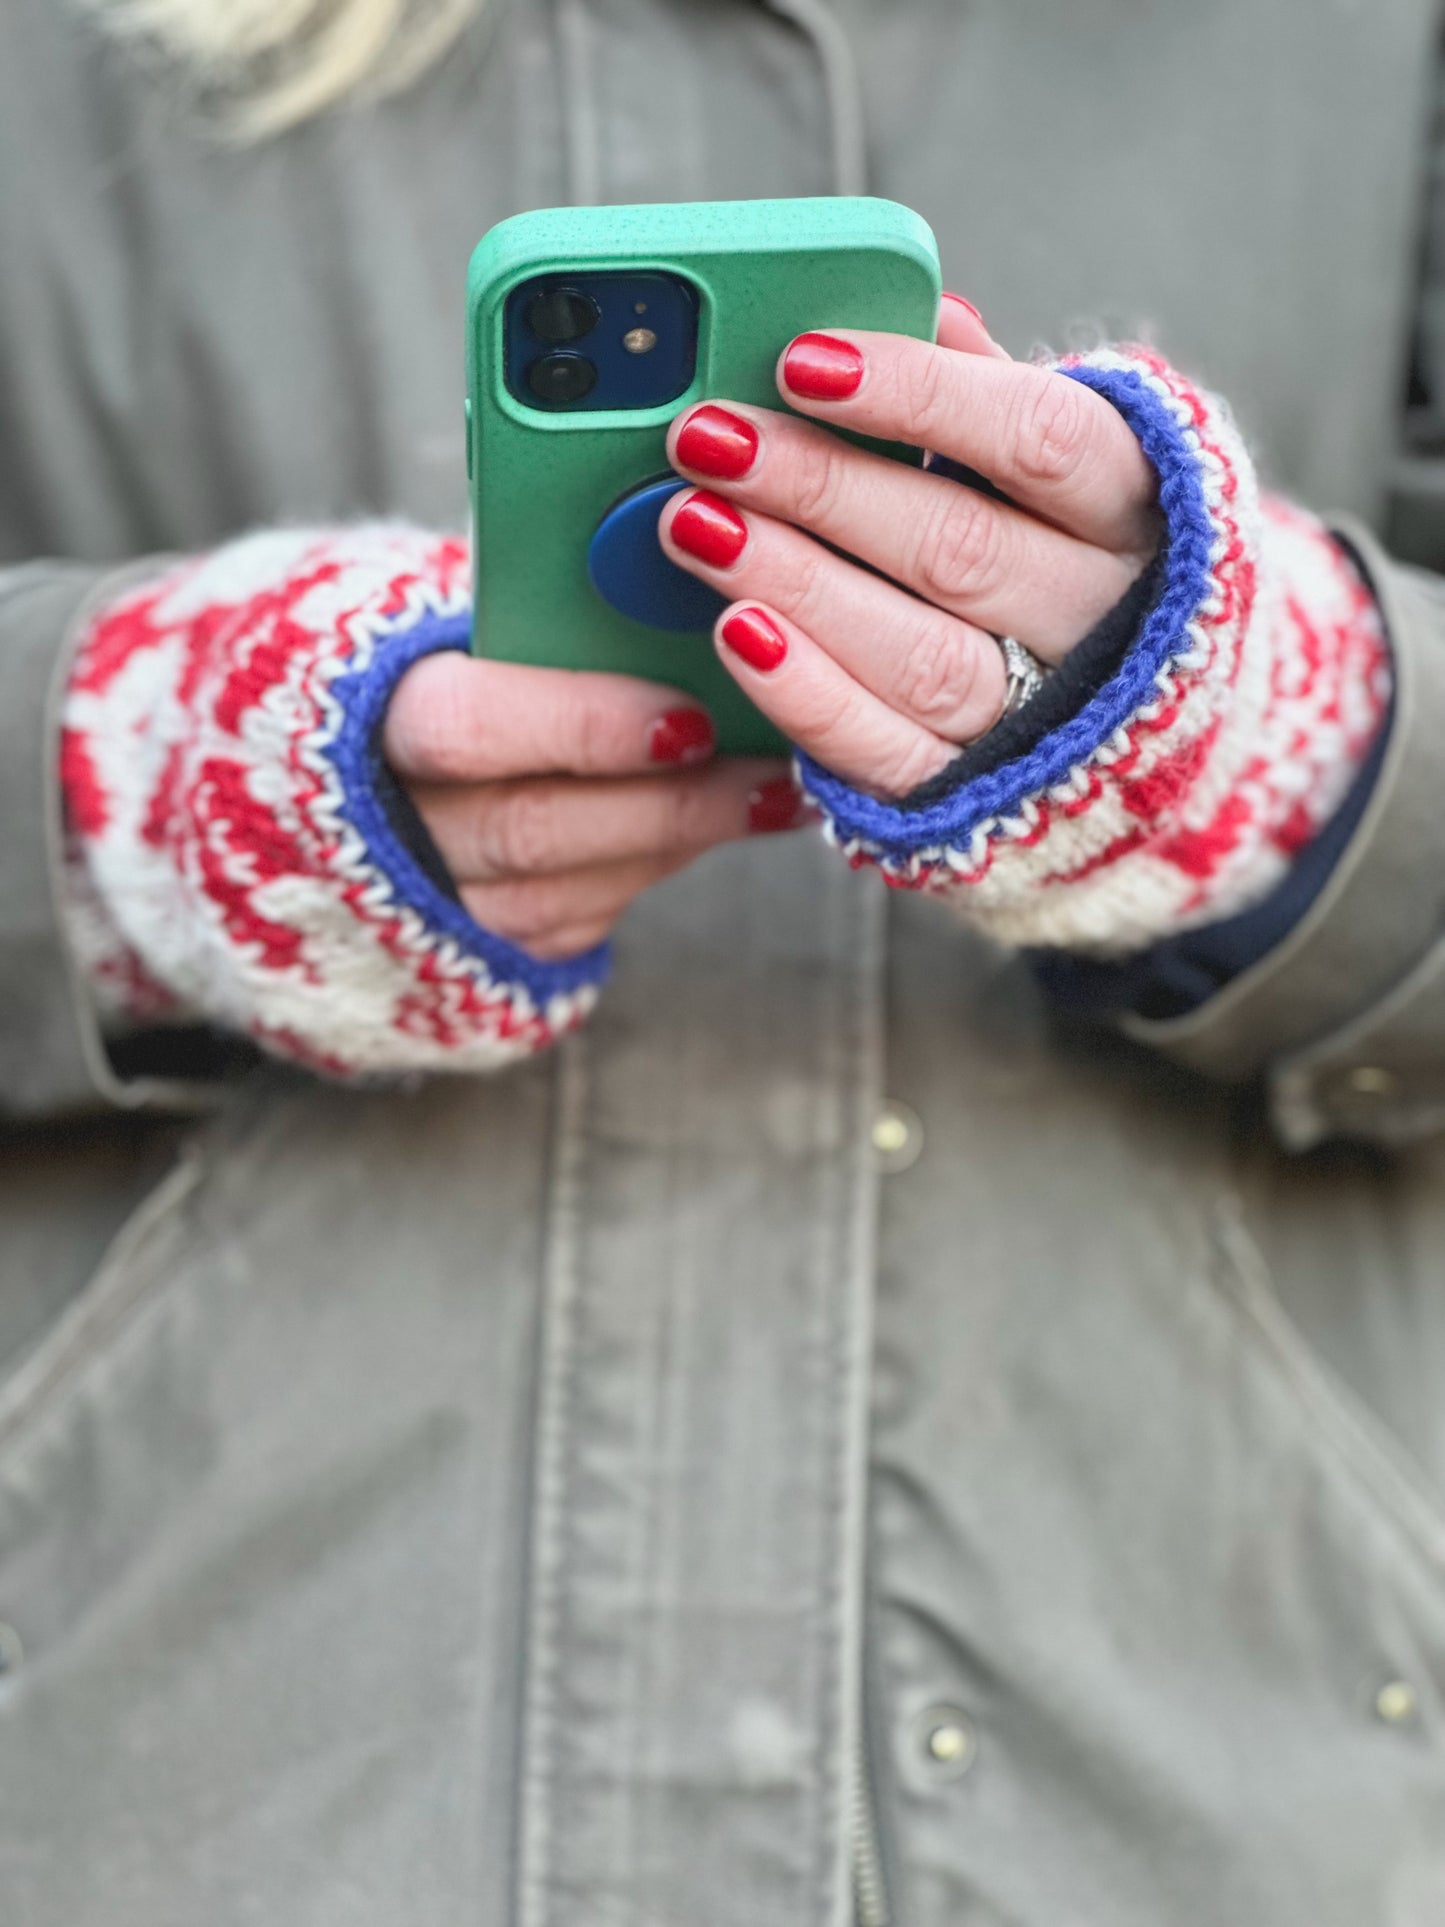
{"x":1226,"y":738}
{"x":231,"y":859}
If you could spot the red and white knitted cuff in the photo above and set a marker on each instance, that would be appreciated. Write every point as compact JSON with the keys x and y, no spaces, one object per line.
{"x":1227,"y":738}
{"x":232,"y":859}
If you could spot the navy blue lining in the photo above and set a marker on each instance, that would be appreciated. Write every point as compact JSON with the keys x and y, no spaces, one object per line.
{"x":363,"y":695}
{"x":1179,"y":974}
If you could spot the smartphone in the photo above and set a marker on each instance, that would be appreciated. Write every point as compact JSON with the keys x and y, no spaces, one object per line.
{"x":588,"y":330}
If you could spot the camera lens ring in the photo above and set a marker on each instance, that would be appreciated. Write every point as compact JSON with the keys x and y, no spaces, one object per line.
{"x":562,"y":314}
{"x":561,"y":378}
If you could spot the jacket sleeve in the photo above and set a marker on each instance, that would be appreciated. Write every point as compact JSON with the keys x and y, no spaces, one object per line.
{"x":1345,"y":1018}
{"x":52,"y":1059}
{"x":210,"y":858}
{"x":1184,"y":791}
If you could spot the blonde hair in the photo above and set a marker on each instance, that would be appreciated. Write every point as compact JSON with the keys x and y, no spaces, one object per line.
{"x":264,"y":65}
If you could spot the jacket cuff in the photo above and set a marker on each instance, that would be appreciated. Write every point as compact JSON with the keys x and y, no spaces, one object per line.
{"x":52,"y":1057}
{"x":235,"y":860}
{"x":1346,"y":1017}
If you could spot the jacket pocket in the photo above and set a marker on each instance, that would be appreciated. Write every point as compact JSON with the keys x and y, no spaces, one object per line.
{"x":1349,"y":1434}
{"x":120,"y":1292}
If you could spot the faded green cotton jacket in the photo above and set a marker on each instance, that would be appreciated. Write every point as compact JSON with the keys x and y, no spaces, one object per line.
{"x":616,"y":1492}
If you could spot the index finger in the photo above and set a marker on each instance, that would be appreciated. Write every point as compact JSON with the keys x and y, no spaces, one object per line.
{"x":1051,"y":444}
{"x":468,"y":719}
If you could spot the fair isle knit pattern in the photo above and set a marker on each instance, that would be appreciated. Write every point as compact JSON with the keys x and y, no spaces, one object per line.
{"x":1182,"y":790}
{"x":231,"y":857}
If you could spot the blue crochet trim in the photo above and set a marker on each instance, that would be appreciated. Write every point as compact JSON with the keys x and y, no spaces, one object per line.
{"x":363,"y":695}
{"x":896,"y":831}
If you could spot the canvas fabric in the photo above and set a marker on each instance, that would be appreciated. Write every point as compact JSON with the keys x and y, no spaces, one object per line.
{"x":583,"y":1492}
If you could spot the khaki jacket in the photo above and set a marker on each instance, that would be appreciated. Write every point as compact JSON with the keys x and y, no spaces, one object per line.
{"x":617,"y":1492}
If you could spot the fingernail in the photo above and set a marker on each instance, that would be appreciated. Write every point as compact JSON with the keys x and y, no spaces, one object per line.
{"x":992,"y":347}
{"x":705,"y":526}
{"x":714,"y":442}
{"x":682,"y":736}
{"x":749,"y":634}
{"x":774,"y":806}
{"x":822,"y":367}
{"x":967,"y":306}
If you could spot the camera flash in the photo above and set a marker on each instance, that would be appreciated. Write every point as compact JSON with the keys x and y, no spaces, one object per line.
{"x":639,"y":341}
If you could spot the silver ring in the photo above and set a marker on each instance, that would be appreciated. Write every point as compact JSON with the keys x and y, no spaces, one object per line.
{"x":1024,"y":675}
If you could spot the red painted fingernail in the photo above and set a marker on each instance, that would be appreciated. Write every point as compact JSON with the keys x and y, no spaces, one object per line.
{"x":774,"y":806}
{"x":749,"y":634}
{"x":682,"y":736}
{"x":822,"y":367}
{"x":716,"y":443}
{"x":968,"y":308}
{"x":707,"y":527}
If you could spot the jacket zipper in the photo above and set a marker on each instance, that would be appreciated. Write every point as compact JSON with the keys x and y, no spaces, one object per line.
{"x":870,"y":1892}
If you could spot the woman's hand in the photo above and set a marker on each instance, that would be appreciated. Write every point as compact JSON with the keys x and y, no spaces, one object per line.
{"x":235,"y":854}
{"x":882,"y":677}
{"x":557,"y":796}
{"x":1171,"y":792}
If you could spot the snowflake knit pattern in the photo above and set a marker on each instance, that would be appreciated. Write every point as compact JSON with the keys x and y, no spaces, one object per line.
{"x":1182,"y":790}
{"x":230,"y":856}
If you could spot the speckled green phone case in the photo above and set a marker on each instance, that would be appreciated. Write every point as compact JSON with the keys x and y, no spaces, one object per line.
{"x":764,"y":271}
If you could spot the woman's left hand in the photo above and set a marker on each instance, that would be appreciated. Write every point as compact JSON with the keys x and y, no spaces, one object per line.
{"x":882,"y":673}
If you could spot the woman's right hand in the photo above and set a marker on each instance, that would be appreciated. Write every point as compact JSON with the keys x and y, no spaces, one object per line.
{"x":556,"y":796}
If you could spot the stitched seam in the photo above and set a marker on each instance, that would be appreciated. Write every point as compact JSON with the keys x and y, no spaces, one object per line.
{"x":1380,"y":1466}
{"x":562,"y":1285}
{"x":108,"y":1310}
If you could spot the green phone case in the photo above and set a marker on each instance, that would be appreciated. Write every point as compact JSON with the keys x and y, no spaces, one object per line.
{"x":764,"y":271}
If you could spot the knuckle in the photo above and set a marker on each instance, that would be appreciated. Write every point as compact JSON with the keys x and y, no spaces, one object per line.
{"x":925,"y":394}
{"x":595,"y":735}
{"x":904,"y":767}
{"x":833,"y":721}
{"x":421,"y":736}
{"x":1052,"y":432}
{"x":522,"y":835}
{"x":960,"y":547}
{"x":804,"y":593}
{"x":937,"y":673}
{"x":692,"y":818}
{"x":526,"y":912}
{"x":815,"y":495}
{"x":433,"y":728}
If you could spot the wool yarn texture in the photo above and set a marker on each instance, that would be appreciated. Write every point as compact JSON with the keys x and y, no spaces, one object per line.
{"x":231,"y":855}
{"x":1184,"y":787}
{"x":235,"y":856}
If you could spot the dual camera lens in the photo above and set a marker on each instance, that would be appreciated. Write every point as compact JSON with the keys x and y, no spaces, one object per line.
{"x":558,"y":315}
{"x":582,"y":339}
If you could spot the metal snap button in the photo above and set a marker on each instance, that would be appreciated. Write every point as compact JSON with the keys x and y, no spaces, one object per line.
{"x":1397,"y":1703}
{"x":897,"y":1136}
{"x":944,"y":1742}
